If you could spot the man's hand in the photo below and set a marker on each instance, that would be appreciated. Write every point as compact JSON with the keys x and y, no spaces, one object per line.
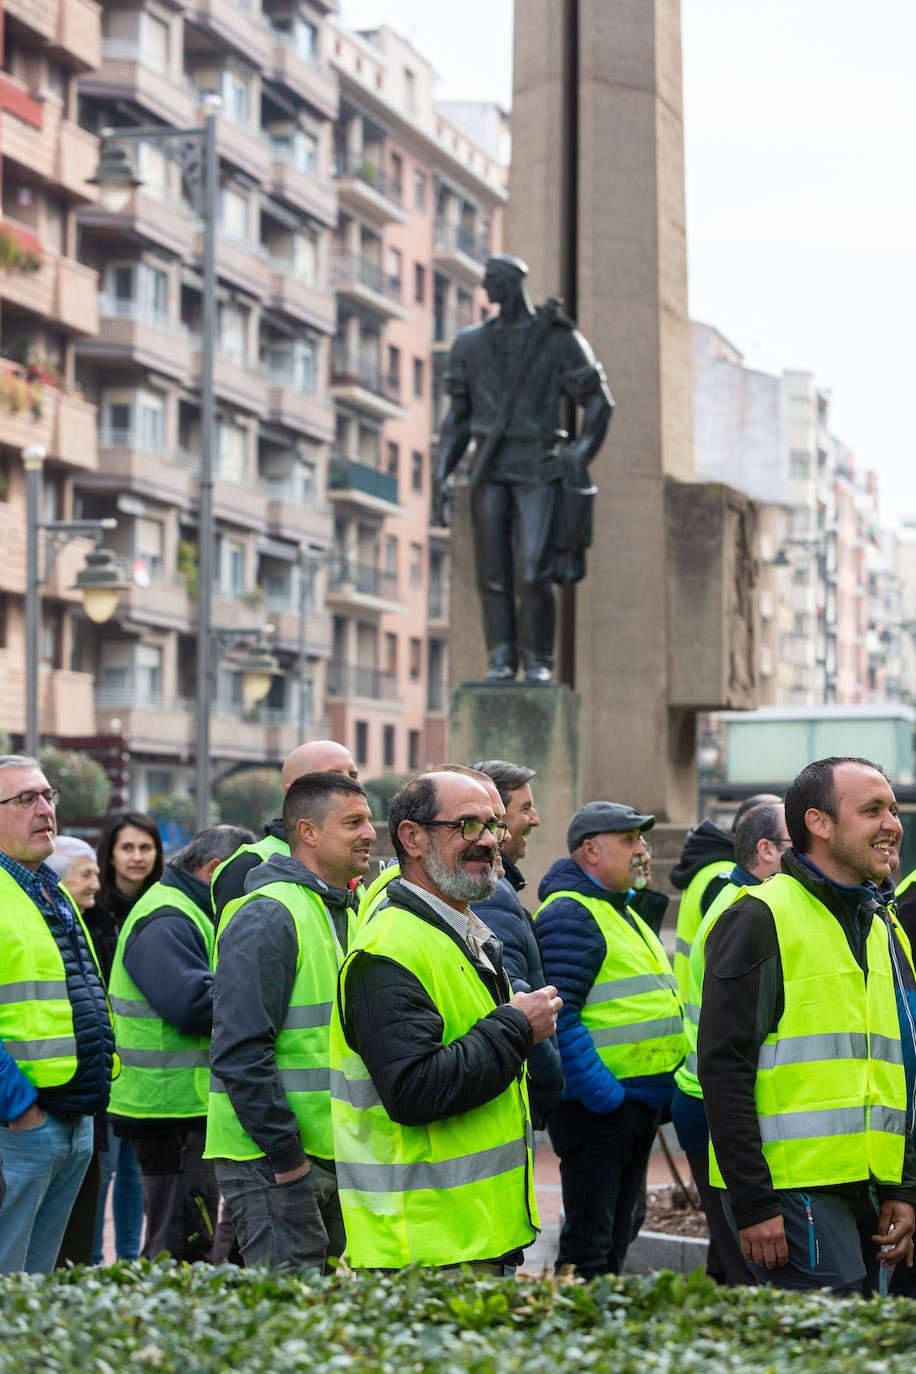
{"x":442,"y":502}
{"x":290,"y":1175}
{"x":551,"y":466}
{"x":896,"y":1222}
{"x":541,"y":1008}
{"x":765,"y":1243}
{"x":31,"y":1117}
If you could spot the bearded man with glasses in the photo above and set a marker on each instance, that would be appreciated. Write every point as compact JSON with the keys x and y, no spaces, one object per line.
{"x":432,"y":1128}
{"x":56,"y":1040}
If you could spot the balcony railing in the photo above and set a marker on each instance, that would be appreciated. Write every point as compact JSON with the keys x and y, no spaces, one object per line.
{"x":126,"y":50}
{"x":353,"y":267}
{"x":362,"y":168}
{"x":353,"y":680}
{"x":360,"y":369}
{"x":448,"y":323}
{"x":346,"y":474}
{"x":362,"y":578}
{"x":450,"y":238}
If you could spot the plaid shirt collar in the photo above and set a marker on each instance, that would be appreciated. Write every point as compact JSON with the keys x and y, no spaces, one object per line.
{"x":43,"y":886}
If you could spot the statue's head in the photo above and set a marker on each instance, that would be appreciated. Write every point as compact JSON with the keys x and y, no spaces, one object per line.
{"x":504,"y":275}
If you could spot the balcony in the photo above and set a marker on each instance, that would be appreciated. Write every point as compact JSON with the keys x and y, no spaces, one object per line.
{"x":357,"y":378}
{"x":353,"y":680}
{"x":71,"y":28}
{"x":360,"y":485}
{"x":133,"y":73}
{"x":236,"y":26}
{"x":62,"y":291}
{"x":74,"y":436}
{"x":364,"y":283}
{"x":25,"y":417}
{"x":130,"y":331}
{"x":458,"y":252}
{"x":64,"y":698}
{"x":368,"y":192}
{"x":244,"y":145}
{"x":307,"y":77}
{"x":77,"y":160}
{"x":56,"y":151}
{"x":292,"y":516}
{"x":290,"y":295}
{"x":234,"y":379}
{"x":362,"y":586}
{"x":164,"y":601}
{"x":241,"y":260}
{"x":128,"y":460}
{"x":159,"y":725}
{"x":308,"y":190}
{"x":437,"y":607}
{"x":160,"y":220}
{"x":306,"y":412}
{"x":286,"y":618}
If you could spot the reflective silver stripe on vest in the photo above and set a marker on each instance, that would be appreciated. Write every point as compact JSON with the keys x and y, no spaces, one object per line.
{"x":308,"y":1018}
{"x":830,"y":1122}
{"x":27,"y":1051}
{"x":637,"y":1032}
{"x":630,"y":987}
{"x":682,"y":947}
{"x":164,"y":1059}
{"x":691,"y":1064}
{"x":305,"y":1080}
{"x":45,"y":991}
{"x":692,"y":1012}
{"x":127,"y":1006}
{"x":360,"y":1093}
{"x":808,"y":1049}
{"x":447,"y":1173}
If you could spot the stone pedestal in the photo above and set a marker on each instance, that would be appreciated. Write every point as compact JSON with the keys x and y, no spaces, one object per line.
{"x":534,"y":726}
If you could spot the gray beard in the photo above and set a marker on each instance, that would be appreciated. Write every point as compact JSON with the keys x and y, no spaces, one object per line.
{"x":459,"y":886}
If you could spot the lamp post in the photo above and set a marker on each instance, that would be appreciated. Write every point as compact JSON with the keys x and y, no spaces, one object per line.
{"x":100,"y":580}
{"x":309,"y":559}
{"x":194,"y":151}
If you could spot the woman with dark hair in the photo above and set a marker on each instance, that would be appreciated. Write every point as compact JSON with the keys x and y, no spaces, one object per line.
{"x":130,"y":861}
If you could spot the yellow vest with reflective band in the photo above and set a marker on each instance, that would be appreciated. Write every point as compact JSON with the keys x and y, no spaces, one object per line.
{"x":455,"y":1190}
{"x":376,"y":893}
{"x":632,"y":1012}
{"x":689,"y":917}
{"x":830,"y":1089}
{"x":36,"y":1016}
{"x":904,"y":884}
{"x":686,"y":1075}
{"x":164,"y":1073}
{"x":301,"y":1048}
{"x":264,"y":848}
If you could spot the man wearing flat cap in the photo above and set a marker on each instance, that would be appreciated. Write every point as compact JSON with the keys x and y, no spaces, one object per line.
{"x":620,"y":1031}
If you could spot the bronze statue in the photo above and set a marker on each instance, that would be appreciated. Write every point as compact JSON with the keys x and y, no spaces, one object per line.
{"x":530,"y":491}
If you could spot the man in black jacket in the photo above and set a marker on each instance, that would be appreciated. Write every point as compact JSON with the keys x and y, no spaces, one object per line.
{"x":161,"y":975}
{"x":513,"y":926}
{"x":446,"y":835}
{"x":800,"y":1102}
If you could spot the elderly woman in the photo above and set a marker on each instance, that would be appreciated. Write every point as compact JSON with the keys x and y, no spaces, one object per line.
{"x":75,"y":864}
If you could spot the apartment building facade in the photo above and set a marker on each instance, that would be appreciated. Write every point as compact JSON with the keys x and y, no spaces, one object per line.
{"x":353,"y":221}
{"x":48,"y":304}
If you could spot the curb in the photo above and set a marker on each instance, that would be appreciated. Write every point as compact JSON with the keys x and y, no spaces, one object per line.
{"x":652,"y":1250}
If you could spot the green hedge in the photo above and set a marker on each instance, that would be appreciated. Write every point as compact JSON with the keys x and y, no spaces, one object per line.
{"x":200,"y":1320}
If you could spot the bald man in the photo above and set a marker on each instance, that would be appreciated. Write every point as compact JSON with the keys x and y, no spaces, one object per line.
{"x":317,"y":756}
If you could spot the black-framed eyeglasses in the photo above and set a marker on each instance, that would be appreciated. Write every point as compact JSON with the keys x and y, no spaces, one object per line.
{"x":26,"y":800}
{"x":471,"y":828}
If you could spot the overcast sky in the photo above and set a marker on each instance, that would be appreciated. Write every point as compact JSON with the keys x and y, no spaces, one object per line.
{"x":800,"y":127}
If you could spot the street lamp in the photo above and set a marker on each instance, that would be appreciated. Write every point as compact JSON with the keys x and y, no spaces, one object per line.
{"x":194,"y":151}
{"x":254,"y":661}
{"x":99,"y":581}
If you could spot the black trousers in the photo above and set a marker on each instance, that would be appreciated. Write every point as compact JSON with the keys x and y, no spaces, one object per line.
{"x":180,"y":1196}
{"x":602,"y":1165}
{"x":513,"y":530}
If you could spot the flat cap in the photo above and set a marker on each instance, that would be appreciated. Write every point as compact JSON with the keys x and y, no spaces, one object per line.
{"x":604,"y":818}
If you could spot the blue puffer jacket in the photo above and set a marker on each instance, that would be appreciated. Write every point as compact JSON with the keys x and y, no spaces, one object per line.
{"x":573,"y":950}
{"x":504,"y":914}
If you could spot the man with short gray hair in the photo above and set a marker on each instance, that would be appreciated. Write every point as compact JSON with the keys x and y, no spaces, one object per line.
{"x":56,"y":1043}
{"x":161,"y":992}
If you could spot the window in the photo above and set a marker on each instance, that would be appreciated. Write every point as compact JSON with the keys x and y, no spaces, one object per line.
{"x":306,"y":39}
{"x":4,"y":476}
{"x":416,"y":470}
{"x":148,"y":547}
{"x":391,"y":653}
{"x":416,"y":650}
{"x":410,"y":88}
{"x":391,"y":556}
{"x":392,"y":459}
{"x":418,"y":376}
{"x":154,"y":41}
{"x":362,"y":742}
{"x":234,"y":92}
{"x":149,"y":673}
{"x":416,"y":565}
{"x":419,"y":190}
{"x":231,"y":564}
{"x":419,"y":283}
{"x":232,"y":332}
{"x":799,"y":465}
{"x":394,"y":366}
{"x":233,"y":213}
{"x":4,"y":611}
{"x":388,"y":746}
{"x":397,"y":175}
{"x":413,"y":750}
{"x":231,"y":444}
{"x":153,"y":169}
